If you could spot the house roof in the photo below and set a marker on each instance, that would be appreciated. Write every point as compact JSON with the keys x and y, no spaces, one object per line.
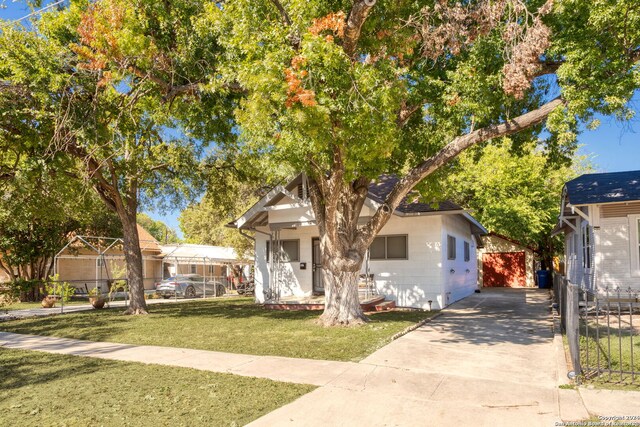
{"x":257,"y":215}
{"x":147,"y":241}
{"x":604,"y":188}
{"x":508,"y":239}
{"x":379,"y":190}
{"x":197,"y":253}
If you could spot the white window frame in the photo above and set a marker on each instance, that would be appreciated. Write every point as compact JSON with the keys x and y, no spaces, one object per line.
{"x":586,"y":245}
{"x":634,"y":245}
{"x":467,"y":251}
{"x":194,"y":269}
{"x":452,"y":248}
{"x":386,"y":250}
{"x":280,"y":244}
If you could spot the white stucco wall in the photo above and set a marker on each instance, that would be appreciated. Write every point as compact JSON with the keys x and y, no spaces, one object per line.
{"x":415,"y":281}
{"x":460,"y":276}
{"x":411,"y":283}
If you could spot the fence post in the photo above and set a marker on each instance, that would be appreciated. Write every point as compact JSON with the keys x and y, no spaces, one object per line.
{"x":572,"y":325}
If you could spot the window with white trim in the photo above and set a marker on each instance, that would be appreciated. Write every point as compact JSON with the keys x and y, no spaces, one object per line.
{"x":389,"y":247}
{"x":290,"y":250}
{"x":586,"y":246}
{"x":451,"y":247}
{"x":194,"y":269}
{"x":467,"y":251}
{"x":634,"y":243}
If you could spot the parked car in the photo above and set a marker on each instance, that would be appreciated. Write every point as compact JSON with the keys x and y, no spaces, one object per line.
{"x":189,"y":286}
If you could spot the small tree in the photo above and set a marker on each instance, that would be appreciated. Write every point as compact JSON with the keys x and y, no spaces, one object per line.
{"x":158,"y":229}
{"x":101,"y":83}
{"x":513,"y":193}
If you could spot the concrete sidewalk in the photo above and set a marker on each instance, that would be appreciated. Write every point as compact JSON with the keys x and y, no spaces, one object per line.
{"x":488,"y":360}
{"x":58,"y":310}
{"x":303,"y":371}
{"x":491,"y":359}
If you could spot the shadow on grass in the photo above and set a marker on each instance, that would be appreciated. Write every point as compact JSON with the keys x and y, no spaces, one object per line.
{"x":16,"y":371}
{"x":239,"y":315}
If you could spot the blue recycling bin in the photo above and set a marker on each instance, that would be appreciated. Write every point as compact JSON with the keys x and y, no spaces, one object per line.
{"x":544,"y":278}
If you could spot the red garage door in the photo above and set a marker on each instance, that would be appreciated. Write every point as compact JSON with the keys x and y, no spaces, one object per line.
{"x":504,"y":269}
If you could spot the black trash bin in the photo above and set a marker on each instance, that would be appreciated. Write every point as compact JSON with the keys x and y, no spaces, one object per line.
{"x":544,"y":278}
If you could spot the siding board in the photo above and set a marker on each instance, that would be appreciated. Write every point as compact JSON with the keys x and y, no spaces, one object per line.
{"x":619,"y":210}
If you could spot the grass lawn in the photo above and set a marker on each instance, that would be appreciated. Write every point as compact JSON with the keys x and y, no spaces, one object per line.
{"x":38,"y":304}
{"x":234,"y":325}
{"x":618,"y":358}
{"x":40,"y":389}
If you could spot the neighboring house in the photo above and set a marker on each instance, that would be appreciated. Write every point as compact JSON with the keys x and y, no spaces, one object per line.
{"x":86,"y":261}
{"x":504,"y":262}
{"x":204,"y":260}
{"x":600,"y":219}
{"x":4,"y":276}
{"x":424,"y":256}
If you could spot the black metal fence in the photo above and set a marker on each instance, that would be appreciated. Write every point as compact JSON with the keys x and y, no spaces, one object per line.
{"x":603,"y":331}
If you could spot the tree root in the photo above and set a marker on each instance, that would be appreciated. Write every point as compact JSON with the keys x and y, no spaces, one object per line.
{"x":135,"y":311}
{"x":352,"y":321}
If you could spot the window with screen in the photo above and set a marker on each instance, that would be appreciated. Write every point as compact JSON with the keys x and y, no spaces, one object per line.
{"x":289,"y":249}
{"x":389,"y":247}
{"x":194,"y":269}
{"x":467,"y":251}
{"x":586,"y":247}
{"x":451,"y":247}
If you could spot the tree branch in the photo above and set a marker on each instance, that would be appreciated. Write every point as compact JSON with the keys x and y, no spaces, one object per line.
{"x":355,"y":21}
{"x":548,"y":67}
{"x":405,"y":113}
{"x":285,"y":16}
{"x":450,"y":151}
{"x":172,"y":91}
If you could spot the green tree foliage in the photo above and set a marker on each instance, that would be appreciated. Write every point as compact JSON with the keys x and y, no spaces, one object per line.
{"x":229,"y":193}
{"x":40,"y":209}
{"x":104,"y":84}
{"x":515,"y":194}
{"x":346,"y":90}
{"x":158,"y":229}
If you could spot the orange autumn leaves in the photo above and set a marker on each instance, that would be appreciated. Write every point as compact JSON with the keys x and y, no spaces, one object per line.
{"x":98,"y":42}
{"x":295,"y":91}
{"x":295,"y":74}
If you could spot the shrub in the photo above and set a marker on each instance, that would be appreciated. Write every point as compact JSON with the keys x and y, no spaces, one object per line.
{"x":64,"y":290}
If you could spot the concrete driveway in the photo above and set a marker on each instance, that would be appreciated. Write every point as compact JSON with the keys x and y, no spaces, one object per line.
{"x":487,"y":360}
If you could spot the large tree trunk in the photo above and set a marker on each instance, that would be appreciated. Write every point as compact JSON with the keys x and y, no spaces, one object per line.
{"x":133,"y":259}
{"x":342,"y":305}
{"x":337,"y":208}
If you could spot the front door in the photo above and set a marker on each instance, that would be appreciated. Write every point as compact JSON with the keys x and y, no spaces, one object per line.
{"x":316,"y":267}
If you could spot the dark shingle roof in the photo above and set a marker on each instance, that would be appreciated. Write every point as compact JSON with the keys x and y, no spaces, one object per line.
{"x":604,"y":188}
{"x":380,"y":189}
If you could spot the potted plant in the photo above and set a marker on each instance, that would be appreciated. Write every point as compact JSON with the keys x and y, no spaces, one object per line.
{"x":96,"y":298}
{"x":56,"y":290}
{"x":49,"y":301}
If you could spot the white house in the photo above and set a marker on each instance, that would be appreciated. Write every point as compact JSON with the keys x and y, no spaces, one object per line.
{"x":423,"y":257}
{"x":600,"y":219}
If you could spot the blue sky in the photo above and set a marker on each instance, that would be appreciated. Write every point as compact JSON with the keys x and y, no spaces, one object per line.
{"x":612,"y":147}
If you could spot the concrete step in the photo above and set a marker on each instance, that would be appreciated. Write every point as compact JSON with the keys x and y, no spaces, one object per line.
{"x":385,"y":305}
